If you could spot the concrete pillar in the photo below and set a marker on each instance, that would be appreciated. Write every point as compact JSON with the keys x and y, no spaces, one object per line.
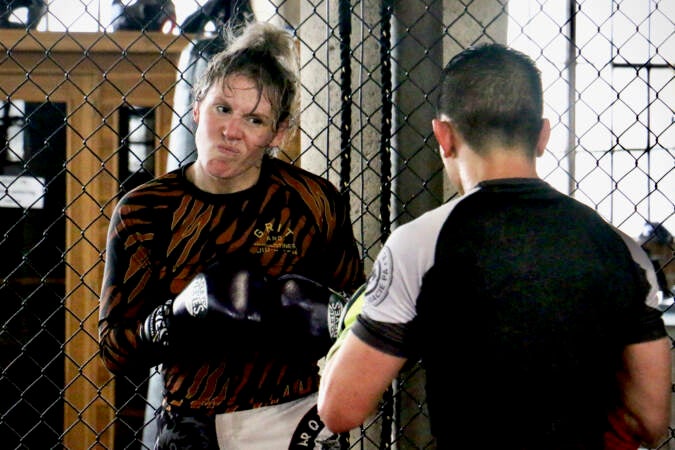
{"x":417,"y":61}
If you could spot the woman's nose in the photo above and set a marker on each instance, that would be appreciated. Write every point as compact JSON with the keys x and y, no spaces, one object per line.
{"x":232,"y":128}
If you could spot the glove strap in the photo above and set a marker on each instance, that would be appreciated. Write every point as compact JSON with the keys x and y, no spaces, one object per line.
{"x":155,"y":328}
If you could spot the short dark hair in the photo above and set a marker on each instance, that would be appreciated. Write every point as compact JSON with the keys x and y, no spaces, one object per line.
{"x":493,"y":95}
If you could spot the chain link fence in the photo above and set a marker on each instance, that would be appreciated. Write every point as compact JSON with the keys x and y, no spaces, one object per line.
{"x":92,"y":107}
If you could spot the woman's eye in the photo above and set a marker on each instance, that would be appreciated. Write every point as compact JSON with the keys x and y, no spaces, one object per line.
{"x":222,"y":109}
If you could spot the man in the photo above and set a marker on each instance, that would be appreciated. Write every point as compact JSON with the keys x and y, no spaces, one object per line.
{"x":527,"y":309}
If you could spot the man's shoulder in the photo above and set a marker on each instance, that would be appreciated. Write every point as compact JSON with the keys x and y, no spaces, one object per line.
{"x":424,"y":228}
{"x":436,"y":215}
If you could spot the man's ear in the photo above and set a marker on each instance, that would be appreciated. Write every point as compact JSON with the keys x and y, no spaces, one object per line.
{"x":544,"y":135}
{"x":444,"y":133}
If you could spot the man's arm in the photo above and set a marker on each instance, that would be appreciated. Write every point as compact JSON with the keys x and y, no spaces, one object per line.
{"x":646,"y":384}
{"x":352,"y":384}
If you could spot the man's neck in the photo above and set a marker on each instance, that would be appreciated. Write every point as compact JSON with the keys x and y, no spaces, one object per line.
{"x":498,"y":164}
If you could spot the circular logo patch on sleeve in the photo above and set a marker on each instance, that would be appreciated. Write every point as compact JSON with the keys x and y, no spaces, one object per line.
{"x":380,"y":278}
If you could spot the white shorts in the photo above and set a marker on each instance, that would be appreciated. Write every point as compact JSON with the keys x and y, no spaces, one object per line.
{"x":294,"y":425}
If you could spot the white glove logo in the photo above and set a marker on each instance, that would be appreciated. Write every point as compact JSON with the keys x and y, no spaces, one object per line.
{"x":196,"y":293}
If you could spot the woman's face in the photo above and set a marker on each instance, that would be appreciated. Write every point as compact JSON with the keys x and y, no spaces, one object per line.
{"x":235,"y":126}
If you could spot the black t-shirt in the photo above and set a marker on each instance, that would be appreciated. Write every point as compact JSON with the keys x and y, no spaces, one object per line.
{"x":519,"y":301}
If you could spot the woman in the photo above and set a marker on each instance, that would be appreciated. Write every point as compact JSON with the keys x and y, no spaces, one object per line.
{"x":203,"y":265}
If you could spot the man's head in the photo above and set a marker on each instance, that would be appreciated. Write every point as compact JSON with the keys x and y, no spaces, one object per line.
{"x":493,"y":96}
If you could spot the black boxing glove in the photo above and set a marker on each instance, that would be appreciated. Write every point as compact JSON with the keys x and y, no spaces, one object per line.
{"x":310,"y":312}
{"x":216,"y":304}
